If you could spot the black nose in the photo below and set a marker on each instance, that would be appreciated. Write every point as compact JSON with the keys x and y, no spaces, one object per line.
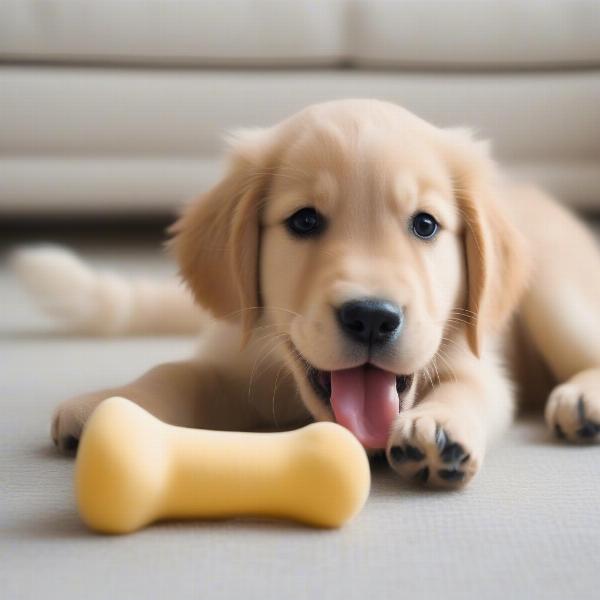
{"x":370,"y":320}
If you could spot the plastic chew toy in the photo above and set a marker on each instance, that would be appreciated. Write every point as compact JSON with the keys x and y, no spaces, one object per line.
{"x":133,"y":469}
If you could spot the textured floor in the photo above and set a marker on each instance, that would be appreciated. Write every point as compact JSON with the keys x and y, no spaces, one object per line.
{"x":528,"y":527}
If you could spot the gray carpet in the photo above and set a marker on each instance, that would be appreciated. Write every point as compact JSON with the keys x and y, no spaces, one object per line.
{"x":528,"y":527}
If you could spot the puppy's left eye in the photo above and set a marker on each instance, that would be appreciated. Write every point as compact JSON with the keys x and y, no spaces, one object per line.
{"x":306,"y":222}
{"x":424,"y":226}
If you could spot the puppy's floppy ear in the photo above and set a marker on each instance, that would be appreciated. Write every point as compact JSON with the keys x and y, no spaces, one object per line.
{"x":497,"y":254}
{"x":216,"y":240}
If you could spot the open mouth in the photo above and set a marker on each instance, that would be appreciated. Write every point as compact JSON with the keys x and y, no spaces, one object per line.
{"x":364,"y":399}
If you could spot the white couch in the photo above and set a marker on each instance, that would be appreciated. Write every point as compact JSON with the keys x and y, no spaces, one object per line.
{"x":119,"y":106}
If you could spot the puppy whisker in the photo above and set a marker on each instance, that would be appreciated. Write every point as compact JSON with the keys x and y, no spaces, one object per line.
{"x":443,"y":357}
{"x":282,"y":337}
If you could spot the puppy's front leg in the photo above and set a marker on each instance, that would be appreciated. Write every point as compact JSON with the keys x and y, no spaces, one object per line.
{"x":188,"y":394}
{"x":443,"y":439}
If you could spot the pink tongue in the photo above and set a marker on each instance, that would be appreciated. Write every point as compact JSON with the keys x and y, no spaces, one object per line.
{"x":365,"y":401}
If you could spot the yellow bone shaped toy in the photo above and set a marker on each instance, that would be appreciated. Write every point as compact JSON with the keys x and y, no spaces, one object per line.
{"x":133,"y":469}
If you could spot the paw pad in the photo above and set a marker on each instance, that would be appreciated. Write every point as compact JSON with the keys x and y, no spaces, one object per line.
{"x":589,"y":429}
{"x":568,"y":415}
{"x":442,"y":462}
{"x":422,"y":475}
{"x":68,"y":444}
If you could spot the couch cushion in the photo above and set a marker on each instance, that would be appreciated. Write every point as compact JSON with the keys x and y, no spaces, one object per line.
{"x":139,"y":140}
{"x":472,"y":33}
{"x":163,"y":112}
{"x":390,"y":33}
{"x":203,"y":32}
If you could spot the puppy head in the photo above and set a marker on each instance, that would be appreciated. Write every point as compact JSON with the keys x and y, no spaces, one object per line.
{"x":368,"y":238}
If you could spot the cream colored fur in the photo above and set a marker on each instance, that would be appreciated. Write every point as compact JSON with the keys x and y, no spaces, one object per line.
{"x":503,"y":304}
{"x":107,"y":303}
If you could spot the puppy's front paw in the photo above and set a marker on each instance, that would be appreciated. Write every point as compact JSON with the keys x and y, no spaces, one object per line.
{"x":436,"y":450}
{"x":68,"y":421}
{"x":573,"y":413}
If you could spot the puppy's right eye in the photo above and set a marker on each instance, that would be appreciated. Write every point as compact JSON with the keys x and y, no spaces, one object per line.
{"x":306,"y":222}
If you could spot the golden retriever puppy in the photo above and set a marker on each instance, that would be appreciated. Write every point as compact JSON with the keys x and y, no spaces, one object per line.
{"x":367,"y":267}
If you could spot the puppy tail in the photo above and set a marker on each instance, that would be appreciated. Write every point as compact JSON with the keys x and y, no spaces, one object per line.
{"x":103,"y":303}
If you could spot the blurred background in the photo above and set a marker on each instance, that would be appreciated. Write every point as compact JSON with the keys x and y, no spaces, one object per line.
{"x":116,"y":109}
